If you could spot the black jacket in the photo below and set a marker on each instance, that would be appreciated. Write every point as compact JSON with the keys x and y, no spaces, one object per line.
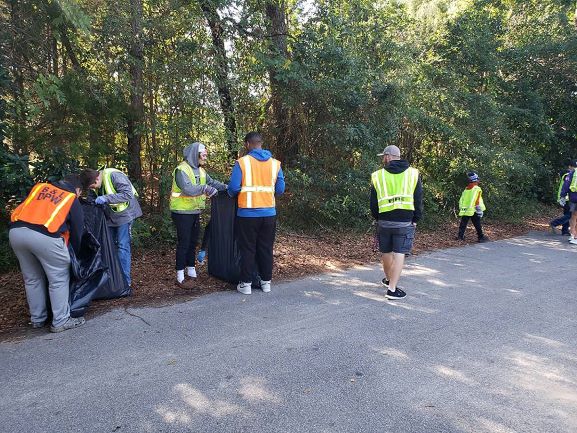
{"x":399,"y":215}
{"x":74,"y":222}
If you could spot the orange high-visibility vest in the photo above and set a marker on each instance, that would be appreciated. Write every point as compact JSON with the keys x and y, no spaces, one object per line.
{"x":46,"y":205}
{"x":258,"y":182}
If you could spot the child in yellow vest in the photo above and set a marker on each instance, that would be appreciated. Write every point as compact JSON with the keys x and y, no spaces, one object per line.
{"x":471,"y":206}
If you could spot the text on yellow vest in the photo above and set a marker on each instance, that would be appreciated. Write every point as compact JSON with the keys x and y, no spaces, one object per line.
{"x":395,"y":190}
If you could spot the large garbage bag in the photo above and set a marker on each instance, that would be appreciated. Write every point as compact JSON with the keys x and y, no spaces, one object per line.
{"x":88,"y":274}
{"x":223,"y":253}
{"x":95,"y":223}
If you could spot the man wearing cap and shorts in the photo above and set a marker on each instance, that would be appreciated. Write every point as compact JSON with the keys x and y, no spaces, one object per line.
{"x":397,"y":205}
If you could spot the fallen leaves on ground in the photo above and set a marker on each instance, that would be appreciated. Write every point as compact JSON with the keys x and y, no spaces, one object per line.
{"x":295,"y":256}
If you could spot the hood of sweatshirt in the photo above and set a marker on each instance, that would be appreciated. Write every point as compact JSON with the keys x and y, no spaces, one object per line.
{"x":64,"y":185}
{"x":260,"y":154}
{"x":190,"y":154}
{"x":397,"y":166}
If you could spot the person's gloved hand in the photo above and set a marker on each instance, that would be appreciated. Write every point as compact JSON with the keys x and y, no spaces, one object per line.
{"x":100,"y":200}
{"x":562,"y":201}
{"x":209,"y":191}
{"x":478,"y":209}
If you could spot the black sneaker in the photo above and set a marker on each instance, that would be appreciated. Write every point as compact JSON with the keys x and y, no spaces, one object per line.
{"x":483,"y":240}
{"x":397,"y":294}
{"x":385,"y":282}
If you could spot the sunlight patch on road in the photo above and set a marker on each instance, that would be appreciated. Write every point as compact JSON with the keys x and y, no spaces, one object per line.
{"x":254,"y":390}
{"x":552,"y":383}
{"x":197,"y":403}
{"x":544,"y":340}
{"x":451,"y":373}
{"x":436,"y":282}
{"x":418,"y":270}
{"x":392,"y":352}
{"x":483,"y":425}
{"x":370,"y":295}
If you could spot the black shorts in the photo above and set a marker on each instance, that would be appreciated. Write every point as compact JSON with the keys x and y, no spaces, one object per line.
{"x":396,"y":240}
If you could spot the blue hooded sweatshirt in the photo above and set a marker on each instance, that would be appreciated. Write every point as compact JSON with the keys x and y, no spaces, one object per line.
{"x":235,"y":184}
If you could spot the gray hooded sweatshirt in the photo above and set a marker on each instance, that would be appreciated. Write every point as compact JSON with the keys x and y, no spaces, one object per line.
{"x":190,"y":154}
{"x":123,"y":189}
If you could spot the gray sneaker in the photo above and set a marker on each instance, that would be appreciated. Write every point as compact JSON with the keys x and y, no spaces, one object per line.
{"x":38,"y":325}
{"x":72,"y":322}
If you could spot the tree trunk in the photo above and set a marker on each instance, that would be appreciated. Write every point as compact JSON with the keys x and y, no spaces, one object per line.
{"x":286,"y":148}
{"x":19,"y":136}
{"x":222,"y":82}
{"x":136,"y":108}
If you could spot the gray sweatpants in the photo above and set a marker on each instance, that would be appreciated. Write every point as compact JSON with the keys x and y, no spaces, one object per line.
{"x":43,"y":260}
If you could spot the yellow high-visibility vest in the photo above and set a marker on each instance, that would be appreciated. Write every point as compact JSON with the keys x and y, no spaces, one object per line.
{"x":395,"y":191}
{"x":561,"y":185}
{"x":181,"y":202}
{"x":468,"y":200}
{"x":109,"y":189}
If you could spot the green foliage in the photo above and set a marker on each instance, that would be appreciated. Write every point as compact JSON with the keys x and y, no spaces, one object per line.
{"x":15,"y":182}
{"x":153,"y":231}
{"x":315,"y":200}
{"x":459,"y":85}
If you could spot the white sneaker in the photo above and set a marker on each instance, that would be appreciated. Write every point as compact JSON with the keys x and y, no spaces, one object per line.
{"x":265,"y":286}
{"x":191,"y":272}
{"x":573,"y":241}
{"x":244,"y":288}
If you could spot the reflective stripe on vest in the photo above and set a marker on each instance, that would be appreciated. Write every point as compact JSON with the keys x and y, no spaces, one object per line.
{"x":573,"y":186}
{"x":46,"y":205}
{"x":181,"y":202}
{"x":468,"y":200}
{"x":561,"y":185}
{"x":395,"y":191}
{"x":108,"y":187}
{"x":258,"y":182}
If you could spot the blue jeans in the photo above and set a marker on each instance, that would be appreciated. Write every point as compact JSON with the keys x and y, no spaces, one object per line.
{"x":121,"y":238}
{"x":564,"y":220}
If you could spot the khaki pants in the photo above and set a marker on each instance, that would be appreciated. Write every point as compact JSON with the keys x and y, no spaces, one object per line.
{"x":45,"y":266}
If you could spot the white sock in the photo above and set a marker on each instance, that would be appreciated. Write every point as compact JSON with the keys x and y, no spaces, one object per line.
{"x":180,"y":276}
{"x":191,"y":272}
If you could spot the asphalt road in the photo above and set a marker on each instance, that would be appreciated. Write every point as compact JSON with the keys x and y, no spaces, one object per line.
{"x":485,"y":342}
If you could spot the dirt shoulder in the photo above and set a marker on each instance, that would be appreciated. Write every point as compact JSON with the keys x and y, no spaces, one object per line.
{"x":295,"y":256}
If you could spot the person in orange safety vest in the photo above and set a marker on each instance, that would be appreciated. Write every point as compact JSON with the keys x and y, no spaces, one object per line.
{"x":41,"y":228}
{"x":255,"y":180}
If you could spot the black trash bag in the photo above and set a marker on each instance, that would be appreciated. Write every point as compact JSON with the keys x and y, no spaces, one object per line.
{"x":88,"y":274}
{"x":223,"y":253}
{"x":95,"y":223}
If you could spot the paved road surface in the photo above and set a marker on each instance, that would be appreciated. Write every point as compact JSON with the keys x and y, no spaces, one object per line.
{"x":484,"y":343}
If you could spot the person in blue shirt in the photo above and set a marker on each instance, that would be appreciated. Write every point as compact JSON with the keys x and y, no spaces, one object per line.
{"x":255,"y":180}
